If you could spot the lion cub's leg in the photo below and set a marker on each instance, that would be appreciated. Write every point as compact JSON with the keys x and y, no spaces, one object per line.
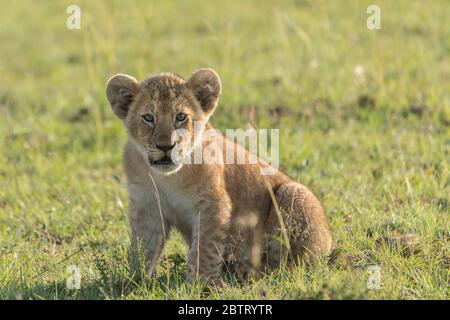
{"x":148,"y":234}
{"x":205,"y":257}
{"x":247,"y":252}
{"x":305,"y":224}
{"x":243,"y":253}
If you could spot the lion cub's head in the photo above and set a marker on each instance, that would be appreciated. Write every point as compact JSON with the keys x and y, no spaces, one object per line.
{"x":165,"y":114}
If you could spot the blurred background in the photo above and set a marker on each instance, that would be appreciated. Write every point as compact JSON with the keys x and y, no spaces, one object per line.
{"x":364,"y":118}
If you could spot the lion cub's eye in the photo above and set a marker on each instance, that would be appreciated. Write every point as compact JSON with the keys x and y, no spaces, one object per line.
{"x":181,"y":117}
{"x":148,"y":118}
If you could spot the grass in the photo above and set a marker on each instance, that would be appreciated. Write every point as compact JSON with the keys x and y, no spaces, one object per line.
{"x":364,"y":118}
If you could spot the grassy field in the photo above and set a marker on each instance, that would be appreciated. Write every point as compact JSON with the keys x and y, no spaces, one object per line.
{"x":364,"y":119}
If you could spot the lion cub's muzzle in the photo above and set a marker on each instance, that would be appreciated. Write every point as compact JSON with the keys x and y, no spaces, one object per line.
{"x":166,"y":158}
{"x":164,"y":161}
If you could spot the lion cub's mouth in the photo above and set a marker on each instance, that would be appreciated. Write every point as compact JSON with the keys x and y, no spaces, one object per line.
{"x":163,"y":161}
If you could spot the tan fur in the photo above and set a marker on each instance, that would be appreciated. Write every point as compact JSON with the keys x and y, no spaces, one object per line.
{"x":224,"y":211}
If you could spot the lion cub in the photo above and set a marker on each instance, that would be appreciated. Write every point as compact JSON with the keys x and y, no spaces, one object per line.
{"x":225,"y":212}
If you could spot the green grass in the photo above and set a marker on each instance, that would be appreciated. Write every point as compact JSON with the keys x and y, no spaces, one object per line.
{"x":374,"y":147}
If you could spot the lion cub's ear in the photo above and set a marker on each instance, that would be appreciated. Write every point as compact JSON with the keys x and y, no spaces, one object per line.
{"x":206,"y":86}
{"x":121,"y":90}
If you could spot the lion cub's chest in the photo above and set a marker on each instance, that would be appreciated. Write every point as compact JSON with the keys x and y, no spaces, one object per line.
{"x":178,"y":207}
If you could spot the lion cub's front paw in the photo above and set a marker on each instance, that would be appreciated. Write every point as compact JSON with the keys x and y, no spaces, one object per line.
{"x":191,"y":277}
{"x":244,"y":272}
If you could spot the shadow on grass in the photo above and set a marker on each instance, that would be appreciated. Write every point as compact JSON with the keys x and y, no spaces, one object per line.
{"x":111,"y":279}
{"x":114,"y":287}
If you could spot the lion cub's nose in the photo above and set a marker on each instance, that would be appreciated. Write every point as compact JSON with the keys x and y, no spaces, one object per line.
{"x":165,"y":148}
